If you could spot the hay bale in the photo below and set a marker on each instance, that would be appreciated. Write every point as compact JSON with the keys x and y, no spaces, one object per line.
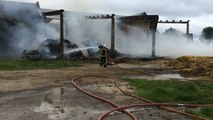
{"x":192,"y":65}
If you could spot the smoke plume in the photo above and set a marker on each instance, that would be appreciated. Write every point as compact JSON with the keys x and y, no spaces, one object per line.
{"x":134,"y":40}
{"x":179,"y":45}
{"x":21,"y":27}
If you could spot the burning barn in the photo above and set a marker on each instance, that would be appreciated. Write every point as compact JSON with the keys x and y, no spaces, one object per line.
{"x":146,"y":24}
{"x":25,"y":26}
{"x":18,"y":25}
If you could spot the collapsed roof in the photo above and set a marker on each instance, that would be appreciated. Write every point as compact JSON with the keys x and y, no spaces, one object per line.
{"x":144,"y":21}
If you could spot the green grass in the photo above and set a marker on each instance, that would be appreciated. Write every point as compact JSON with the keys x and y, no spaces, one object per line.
{"x":31,"y":65}
{"x":174,"y":91}
{"x":204,"y":111}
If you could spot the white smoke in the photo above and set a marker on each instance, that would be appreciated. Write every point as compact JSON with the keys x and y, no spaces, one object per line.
{"x":24,"y":28}
{"x":98,"y":32}
{"x":85,"y":32}
{"x":135,"y":42}
{"x":175,"y":46}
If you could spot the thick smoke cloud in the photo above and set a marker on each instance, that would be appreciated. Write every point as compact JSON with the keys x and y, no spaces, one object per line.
{"x":85,"y":32}
{"x":80,"y":30}
{"x":179,"y":45}
{"x":21,"y":27}
{"x":91,"y":33}
{"x":133,"y":40}
{"x":199,"y":12}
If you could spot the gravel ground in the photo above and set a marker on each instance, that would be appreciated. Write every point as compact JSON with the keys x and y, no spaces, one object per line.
{"x":67,"y":103}
{"x":47,"y":95}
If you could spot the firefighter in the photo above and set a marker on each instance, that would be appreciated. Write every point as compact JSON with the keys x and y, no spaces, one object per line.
{"x":103,"y":55}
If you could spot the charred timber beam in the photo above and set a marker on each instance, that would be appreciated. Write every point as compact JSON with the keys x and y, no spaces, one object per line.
{"x":59,"y":12}
{"x":140,"y":17}
{"x":178,"y":22}
{"x":61,"y":52}
{"x":173,"y":21}
{"x":53,"y":13}
{"x":150,"y":21}
{"x":153,"y":43}
{"x":112,"y":17}
{"x":100,"y":17}
{"x":187,"y":28}
{"x":113,"y":34}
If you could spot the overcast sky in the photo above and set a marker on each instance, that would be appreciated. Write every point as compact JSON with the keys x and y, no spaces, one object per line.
{"x":199,"y":12}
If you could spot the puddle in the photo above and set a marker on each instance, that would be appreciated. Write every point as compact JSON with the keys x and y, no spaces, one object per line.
{"x":175,"y":76}
{"x":54,"y":95}
{"x":55,"y":106}
{"x":36,"y":103}
{"x":63,"y":81}
{"x":142,"y":66}
{"x":135,"y":66}
{"x":20,"y":95}
{"x":162,"y":77}
{"x":52,"y":104}
{"x":153,"y":66}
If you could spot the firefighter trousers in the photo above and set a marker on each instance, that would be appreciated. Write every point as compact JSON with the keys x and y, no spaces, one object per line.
{"x":103,"y":61}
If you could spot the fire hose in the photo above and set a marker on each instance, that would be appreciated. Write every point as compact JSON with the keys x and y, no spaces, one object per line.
{"x":149,"y":102}
{"x":162,"y":105}
{"x":100,"y":98}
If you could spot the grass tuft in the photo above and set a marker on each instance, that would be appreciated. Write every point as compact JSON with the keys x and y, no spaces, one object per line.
{"x":204,"y":112}
{"x":31,"y":65}
{"x":174,"y":91}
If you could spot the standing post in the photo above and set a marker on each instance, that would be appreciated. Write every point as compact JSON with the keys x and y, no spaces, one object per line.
{"x":61,"y":52}
{"x":113,"y":33}
{"x":187,"y":28}
{"x":153,"y":43}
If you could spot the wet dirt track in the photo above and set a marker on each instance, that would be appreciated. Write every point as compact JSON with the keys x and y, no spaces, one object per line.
{"x":53,"y":104}
{"x":49,"y":96}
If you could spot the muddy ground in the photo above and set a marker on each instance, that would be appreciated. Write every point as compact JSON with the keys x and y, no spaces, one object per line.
{"x":49,"y":94}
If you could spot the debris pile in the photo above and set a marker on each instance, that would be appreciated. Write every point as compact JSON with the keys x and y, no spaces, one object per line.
{"x":50,"y":49}
{"x":193,"y":66}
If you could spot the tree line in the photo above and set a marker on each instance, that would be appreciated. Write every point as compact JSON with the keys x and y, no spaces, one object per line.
{"x":207,"y":34}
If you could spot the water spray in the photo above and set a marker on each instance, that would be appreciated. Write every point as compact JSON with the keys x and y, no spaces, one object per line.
{"x":79,"y":49}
